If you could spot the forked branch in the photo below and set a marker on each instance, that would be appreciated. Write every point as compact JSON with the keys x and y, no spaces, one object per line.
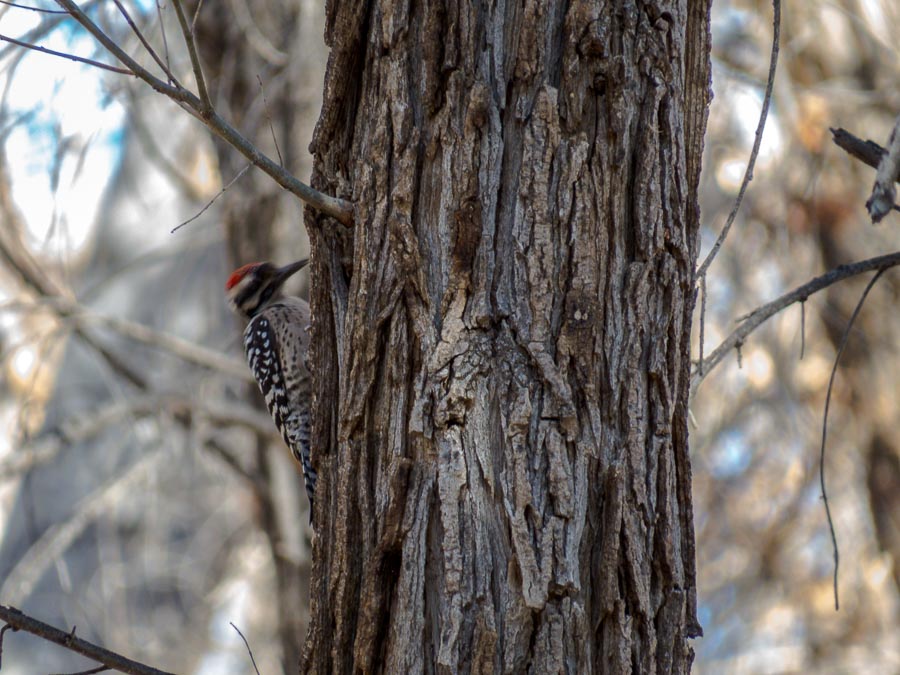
{"x":750,"y":322}
{"x":201,"y":108}
{"x":887,"y":161}
{"x":188,"y":33}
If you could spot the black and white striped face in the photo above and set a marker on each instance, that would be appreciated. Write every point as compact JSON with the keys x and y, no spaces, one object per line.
{"x":252,"y":287}
{"x":246,"y":288}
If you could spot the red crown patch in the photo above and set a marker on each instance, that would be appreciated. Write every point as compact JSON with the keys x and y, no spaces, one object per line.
{"x":238,"y":274}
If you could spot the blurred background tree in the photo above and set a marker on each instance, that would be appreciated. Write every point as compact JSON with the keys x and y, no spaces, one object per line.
{"x":764,"y":551}
{"x":129,"y":504}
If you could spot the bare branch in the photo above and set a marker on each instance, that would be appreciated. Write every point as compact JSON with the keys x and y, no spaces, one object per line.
{"x":335,"y":207}
{"x":748,"y":174}
{"x":2,"y":635}
{"x":20,"y":260}
{"x":143,"y":260}
{"x":884,"y":193}
{"x":85,"y":319}
{"x":183,"y":349}
{"x":83,"y":427}
{"x":54,"y":297}
{"x":868,"y":152}
{"x":20,"y":621}
{"x":65,"y":55}
{"x":173,"y":91}
{"x":757,"y":317}
{"x":253,"y":479}
{"x":837,"y":359}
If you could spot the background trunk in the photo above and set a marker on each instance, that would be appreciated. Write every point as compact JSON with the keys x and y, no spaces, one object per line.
{"x":262,"y":85}
{"x":502,"y":341}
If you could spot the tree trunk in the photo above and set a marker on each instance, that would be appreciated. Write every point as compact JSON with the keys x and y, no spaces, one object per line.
{"x":501,"y":344}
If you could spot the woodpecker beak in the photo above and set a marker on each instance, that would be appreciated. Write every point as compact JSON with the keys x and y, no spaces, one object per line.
{"x":282,"y":274}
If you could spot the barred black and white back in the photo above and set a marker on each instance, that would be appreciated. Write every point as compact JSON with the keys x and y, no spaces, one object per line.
{"x":276,"y":342}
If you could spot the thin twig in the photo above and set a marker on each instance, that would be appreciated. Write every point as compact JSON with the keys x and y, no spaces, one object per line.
{"x":147,"y":46}
{"x":91,"y":671}
{"x":44,"y":28}
{"x":339,"y":209}
{"x":187,"y":32}
{"x":269,"y":119}
{"x":211,"y":201}
{"x":20,"y":621}
{"x":65,"y":55}
{"x":760,"y":315}
{"x":702,"y":322}
{"x":748,"y":174}
{"x":837,"y":359}
{"x":802,"y":327}
{"x":247,"y":645}
{"x":162,"y":30}
{"x":2,"y":635}
{"x":196,"y":16}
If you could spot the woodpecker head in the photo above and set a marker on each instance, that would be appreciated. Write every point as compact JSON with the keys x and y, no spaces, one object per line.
{"x":252,"y":287}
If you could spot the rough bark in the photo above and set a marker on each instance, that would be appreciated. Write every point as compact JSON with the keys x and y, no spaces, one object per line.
{"x":501,"y":342}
